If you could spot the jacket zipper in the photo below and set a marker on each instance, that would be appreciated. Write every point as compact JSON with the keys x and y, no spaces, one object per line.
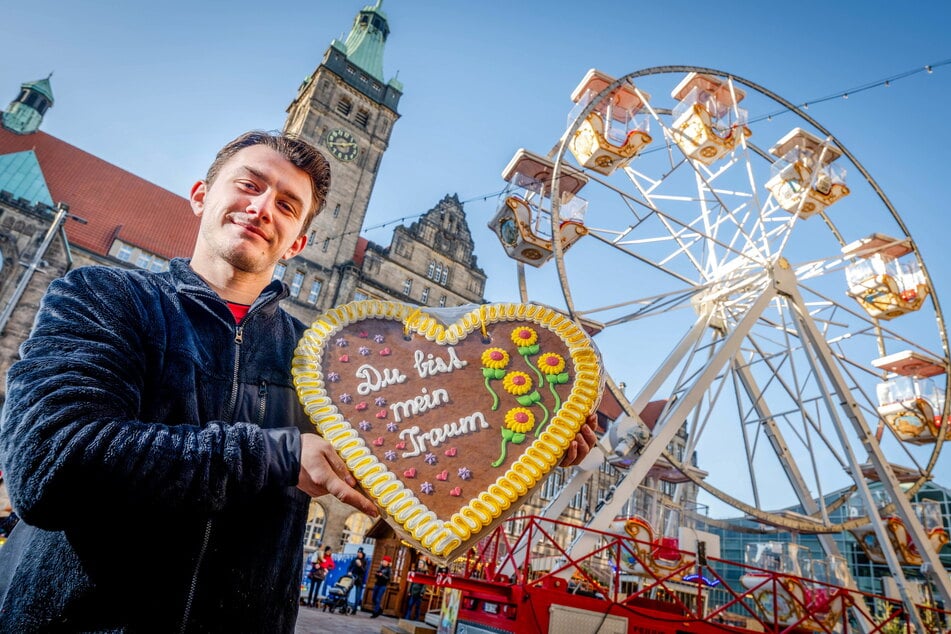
{"x":193,"y":586}
{"x":262,"y":403}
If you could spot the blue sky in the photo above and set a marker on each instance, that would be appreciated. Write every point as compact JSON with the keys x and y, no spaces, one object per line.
{"x":156,"y":88}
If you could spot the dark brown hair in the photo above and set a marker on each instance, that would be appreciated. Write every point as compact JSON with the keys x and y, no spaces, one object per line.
{"x":296,"y":150}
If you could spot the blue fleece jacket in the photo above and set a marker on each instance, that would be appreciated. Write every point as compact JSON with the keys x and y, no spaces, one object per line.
{"x":151,"y":448}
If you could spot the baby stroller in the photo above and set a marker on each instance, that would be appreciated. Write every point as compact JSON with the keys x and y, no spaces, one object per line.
{"x":337,"y":596}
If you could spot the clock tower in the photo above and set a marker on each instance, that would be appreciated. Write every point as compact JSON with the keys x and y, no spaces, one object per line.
{"x":347,"y":110}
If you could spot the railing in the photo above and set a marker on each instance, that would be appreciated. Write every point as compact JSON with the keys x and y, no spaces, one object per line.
{"x":704,"y":590}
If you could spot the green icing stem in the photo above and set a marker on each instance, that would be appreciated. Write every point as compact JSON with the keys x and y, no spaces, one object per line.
{"x":495,"y":397}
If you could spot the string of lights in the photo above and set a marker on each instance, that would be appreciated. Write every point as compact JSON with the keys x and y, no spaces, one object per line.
{"x":884,"y":82}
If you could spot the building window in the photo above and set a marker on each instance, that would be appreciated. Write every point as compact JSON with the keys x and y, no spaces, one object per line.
{"x":424,"y":297}
{"x":354,"y":529}
{"x":312,"y":238}
{"x":444,"y":275}
{"x":279,"y":271}
{"x":337,"y":210}
{"x":314,"y":530}
{"x":325,"y":245}
{"x":143,"y":261}
{"x":431,"y":270}
{"x":407,"y":286}
{"x":442,"y":300}
{"x":125,"y":253}
{"x":362,"y":118}
{"x":359,"y":296}
{"x":344,"y":106}
{"x":157,"y":265}
{"x":296,"y":283}
{"x":314,"y":292}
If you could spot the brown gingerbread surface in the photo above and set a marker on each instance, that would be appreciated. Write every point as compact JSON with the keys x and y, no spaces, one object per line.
{"x":425,"y":410}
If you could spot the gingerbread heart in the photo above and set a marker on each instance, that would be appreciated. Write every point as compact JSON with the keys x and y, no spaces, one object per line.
{"x":475,"y":413}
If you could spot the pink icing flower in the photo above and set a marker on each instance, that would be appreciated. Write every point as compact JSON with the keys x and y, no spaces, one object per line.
{"x":430,"y":458}
{"x":391,"y":426}
{"x":385,"y":352}
{"x":344,"y":358}
{"x":380,"y":401}
{"x":401,"y":444}
{"x":364,"y":351}
{"x":364,"y":425}
{"x":390,"y":455}
{"x":410,"y":473}
{"x":346,"y":398}
{"x":464,"y":473}
{"x":342,"y":343}
{"x":451,"y":452}
{"x":378,"y":338}
{"x":361,"y":406}
{"x":378,"y":442}
{"x":364,"y":334}
{"x":455,"y":491}
{"x":381,"y":414}
{"x":442,"y":475}
{"x":427,"y":488}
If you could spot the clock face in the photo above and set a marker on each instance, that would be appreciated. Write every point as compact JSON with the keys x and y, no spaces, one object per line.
{"x":342,"y":145}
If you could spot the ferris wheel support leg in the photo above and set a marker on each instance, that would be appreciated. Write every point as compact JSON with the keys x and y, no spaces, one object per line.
{"x":629,"y":433}
{"x":822,"y":359}
{"x":672,"y":419}
{"x":809,"y":504}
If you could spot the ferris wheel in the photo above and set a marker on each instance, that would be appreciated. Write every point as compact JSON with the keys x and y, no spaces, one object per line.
{"x":749,"y":280}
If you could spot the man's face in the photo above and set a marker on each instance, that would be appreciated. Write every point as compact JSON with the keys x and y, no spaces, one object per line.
{"x":253,"y":213}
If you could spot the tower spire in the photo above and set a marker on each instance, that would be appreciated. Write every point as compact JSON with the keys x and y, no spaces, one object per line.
{"x":25,"y":113}
{"x":364,"y":43}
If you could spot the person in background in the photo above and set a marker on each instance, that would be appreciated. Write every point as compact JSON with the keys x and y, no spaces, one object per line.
{"x":416,"y":592}
{"x":358,"y":570}
{"x":383,"y":574}
{"x":327,"y":563}
{"x":159,"y":409}
{"x":315,"y":577}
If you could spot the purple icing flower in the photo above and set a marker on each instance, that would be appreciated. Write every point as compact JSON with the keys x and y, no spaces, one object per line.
{"x":364,"y":425}
{"x":464,"y":473}
{"x":364,"y":351}
{"x":346,"y":398}
{"x":390,"y":454}
{"x":341,"y":342}
{"x":380,"y":401}
{"x":333,"y":377}
{"x":391,"y":426}
{"x":430,"y":458}
{"x":378,"y":338}
{"x":427,"y":488}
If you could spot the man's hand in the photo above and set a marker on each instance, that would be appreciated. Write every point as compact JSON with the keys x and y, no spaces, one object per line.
{"x":322,"y":471}
{"x":584,"y":440}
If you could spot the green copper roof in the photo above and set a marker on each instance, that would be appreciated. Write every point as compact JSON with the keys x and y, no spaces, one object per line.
{"x":20,"y":174}
{"x":364,"y":44}
{"x":41,"y":86}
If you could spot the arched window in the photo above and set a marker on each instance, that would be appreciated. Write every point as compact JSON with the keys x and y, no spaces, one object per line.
{"x":354,"y":529}
{"x":314,"y":530}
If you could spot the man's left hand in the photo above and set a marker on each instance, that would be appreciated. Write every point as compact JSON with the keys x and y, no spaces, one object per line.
{"x":583,"y":441}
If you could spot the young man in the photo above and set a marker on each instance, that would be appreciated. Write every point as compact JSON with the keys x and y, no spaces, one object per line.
{"x":383,"y":574}
{"x":155,"y":415}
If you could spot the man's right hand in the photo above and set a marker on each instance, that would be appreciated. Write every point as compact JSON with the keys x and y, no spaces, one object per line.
{"x":322,"y":471}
